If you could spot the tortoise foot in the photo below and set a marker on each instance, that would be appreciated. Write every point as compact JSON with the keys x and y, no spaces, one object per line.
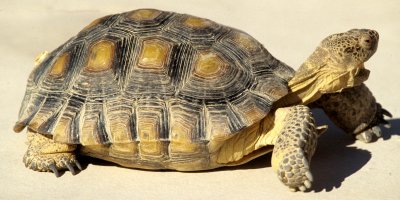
{"x":51,"y":162}
{"x":294,"y":171}
{"x":46,"y":155}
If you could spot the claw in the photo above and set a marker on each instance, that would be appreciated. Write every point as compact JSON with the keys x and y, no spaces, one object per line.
{"x":302,"y":188}
{"x":53,"y":168}
{"x":377,"y":131}
{"x":78,"y":165}
{"x":365,"y":136}
{"x":309,"y":176}
{"x":70,"y":167}
{"x":386,"y":113}
{"x":307,"y":184}
{"x":32,"y":166}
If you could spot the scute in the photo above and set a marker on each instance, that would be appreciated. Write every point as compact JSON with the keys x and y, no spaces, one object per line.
{"x":154,"y":54}
{"x":208,"y":65}
{"x":152,"y":127}
{"x":143,"y":14}
{"x":101,"y":56}
{"x":187,"y":126}
{"x":215,"y":76}
{"x":167,"y":82}
{"x":121,"y":119}
{"x":150,"y":71}
{"x":197,"y":22}
{"x":144,"y":21}
{"x":59,"y":66}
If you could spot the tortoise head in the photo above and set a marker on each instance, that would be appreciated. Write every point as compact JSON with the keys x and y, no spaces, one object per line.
{"x":351,"y":48}
{"x":337,"y":63}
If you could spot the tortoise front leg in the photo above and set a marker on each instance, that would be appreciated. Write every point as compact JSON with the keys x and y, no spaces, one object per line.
{"x":44,"y":154}
{"x":356,"y":111}
{"x":294,"y":147}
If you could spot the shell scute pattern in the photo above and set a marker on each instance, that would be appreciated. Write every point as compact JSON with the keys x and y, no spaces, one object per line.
{"x":151,"y":68}
{"x":167,"y":82}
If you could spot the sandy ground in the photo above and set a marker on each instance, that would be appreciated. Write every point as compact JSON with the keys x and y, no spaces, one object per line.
{"x":343,"y":169}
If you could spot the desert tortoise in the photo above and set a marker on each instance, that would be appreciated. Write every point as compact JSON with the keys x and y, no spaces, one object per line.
{"x":159,"y":90}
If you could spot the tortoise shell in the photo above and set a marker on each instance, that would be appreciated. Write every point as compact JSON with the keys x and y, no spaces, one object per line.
{"x":165,"y":80}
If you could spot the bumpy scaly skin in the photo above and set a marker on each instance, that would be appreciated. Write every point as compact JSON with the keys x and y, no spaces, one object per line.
{"x":336,"y":64}
{"x":332,"y":78}
{"x":44,"y":154}
{"x":294,"y":148}
{"x":355,"y":111}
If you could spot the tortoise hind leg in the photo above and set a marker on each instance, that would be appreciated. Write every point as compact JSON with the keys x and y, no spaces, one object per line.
{"x":294,"y":147}
{"x":44,"y":154}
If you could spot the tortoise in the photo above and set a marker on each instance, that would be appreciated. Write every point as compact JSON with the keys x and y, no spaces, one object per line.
{"x":157,"y":90}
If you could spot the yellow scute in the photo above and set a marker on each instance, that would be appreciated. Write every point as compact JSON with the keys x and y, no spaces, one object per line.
{"x":101,"y":56}
{"x":59,"y":66}
{"x":144,"y":14}
{"x":209,"y":65}
{"x":196,"y":22}
{"x":154,"y":54}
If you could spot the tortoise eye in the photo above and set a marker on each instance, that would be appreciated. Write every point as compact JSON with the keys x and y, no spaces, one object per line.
{"x":367,"y":41}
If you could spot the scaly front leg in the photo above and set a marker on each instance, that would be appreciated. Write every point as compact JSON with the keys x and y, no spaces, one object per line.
{"x":356,"y":111}
{"x":294,"y":147}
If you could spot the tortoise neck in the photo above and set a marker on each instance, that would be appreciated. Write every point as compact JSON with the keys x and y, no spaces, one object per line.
{"x":318,"y":76}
